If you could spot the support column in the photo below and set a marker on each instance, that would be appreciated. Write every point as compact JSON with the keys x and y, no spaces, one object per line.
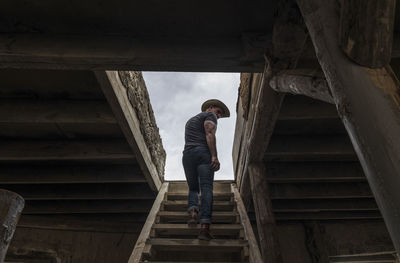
{"x":267,"y":231}
{"x":368,"y":101}
{"x":11,"y":205}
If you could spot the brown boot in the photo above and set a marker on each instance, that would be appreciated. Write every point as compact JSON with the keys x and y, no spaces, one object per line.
{"x":205,"y":232}
{"x":193,"y":214}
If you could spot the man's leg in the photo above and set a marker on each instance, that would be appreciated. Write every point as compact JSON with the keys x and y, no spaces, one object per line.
{"x":206,"y":175}
{"x":192,"y":179}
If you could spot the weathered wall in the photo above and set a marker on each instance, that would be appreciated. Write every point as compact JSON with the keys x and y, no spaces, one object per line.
{"x":59,"y":246}
{"x":140,"y":101}
{"x":340,"y":238}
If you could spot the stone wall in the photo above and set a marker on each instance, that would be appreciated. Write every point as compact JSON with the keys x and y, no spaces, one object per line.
{"x":140,"y":101}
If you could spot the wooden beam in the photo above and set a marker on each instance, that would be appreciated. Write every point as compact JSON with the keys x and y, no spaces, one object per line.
{"x":314,"y":172}
{"x":151,"y":219}
{"x":11,"y":206}
{"x":117,"y":97}
{"x":288,"y":38}
{"x":305,"y":108}
{"x":310,"y":127}
{"x":36,"y":150}
{"x":368,"y":102}
{"x":70,"y":174}
{"x":81,"y":223}
{"x":366,"y":31}
{"x":41,"y":51}
{"x":306,"y":82}
{"x":87,"y":207}
{"x":97,"y":191}
{"x":310,"y":148}
{"x":380,"y":257}
{"x":329,"y":215}
{"x":55,"y":111}
{"x":320,"y":190}
{"x":267,"y":231}
{"x":264,"y":114}
{"x":318,"y":205}
{"x":255,"y":255}
{"x":315,"y":242}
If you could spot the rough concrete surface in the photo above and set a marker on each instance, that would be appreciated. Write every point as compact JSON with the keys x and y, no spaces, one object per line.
{"x":139,"y":97}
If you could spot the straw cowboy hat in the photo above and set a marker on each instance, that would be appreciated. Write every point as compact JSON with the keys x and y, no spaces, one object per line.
{"x":217,"y":103}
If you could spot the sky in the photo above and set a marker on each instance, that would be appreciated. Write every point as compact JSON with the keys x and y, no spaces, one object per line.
{"x":176,"y":97}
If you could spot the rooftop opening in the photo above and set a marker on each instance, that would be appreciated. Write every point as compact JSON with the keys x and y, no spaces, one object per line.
{"x":176,"y":97}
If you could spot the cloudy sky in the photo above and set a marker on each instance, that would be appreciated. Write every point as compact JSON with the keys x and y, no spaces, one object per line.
{"x":176,"y":97}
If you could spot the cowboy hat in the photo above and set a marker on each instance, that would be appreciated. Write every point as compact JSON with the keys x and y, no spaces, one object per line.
{"x":217,"y":103}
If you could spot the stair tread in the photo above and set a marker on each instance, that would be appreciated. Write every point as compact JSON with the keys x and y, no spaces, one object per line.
{"x":182,"y":243}
{"x":184,"y":213}
{"x":189,"y":261}
{"x":185,"y":226}
{"x":214,"y":193}
{"x":183,"y":196}
{"x":184,"y":202}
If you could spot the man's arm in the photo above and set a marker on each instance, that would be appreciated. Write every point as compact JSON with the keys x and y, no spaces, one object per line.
{"x":210,"y":129}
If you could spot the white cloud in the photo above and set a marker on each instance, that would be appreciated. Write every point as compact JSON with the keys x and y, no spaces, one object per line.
{"x":176,"y":97}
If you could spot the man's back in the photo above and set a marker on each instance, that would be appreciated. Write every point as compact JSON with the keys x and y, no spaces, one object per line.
{"x":194,"y":129}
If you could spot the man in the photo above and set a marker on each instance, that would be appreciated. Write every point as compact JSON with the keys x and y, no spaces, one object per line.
{"x":200,"y":161}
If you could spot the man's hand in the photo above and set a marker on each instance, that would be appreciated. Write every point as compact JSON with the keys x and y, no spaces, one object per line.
{"x":215,"y":163}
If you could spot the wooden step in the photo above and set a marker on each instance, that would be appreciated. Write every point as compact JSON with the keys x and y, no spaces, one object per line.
{"x":182,"y":217}
{"x":190,"y":261}
{"x":182,"y":205}
{"x":218,"y":186}
{"x":184,"y":196}
{"x":186,"y":245}
{"x":218,"y":230}
{"x":194,"y":249}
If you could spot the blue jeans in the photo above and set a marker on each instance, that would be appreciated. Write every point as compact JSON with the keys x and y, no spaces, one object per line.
{"x":199,"y":176}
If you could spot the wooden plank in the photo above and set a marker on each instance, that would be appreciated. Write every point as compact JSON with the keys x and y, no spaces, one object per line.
{"x":70,"y":174}
{"x":182,"y":205}
{"x":98,"y":191}
{"x":266,"y":226}
{"x":320,"y":190}
{"x":384,"y":256}
{"x":118,"y":99}
{"x":175,"y":244}
{"x":379,"y":155}
{"x":182,"y":186}
{"x":304,"y":108}
{"x":305,"y":82}
{"x":310,"y":148}
{"x":317,"y":205}
{"x":218,"y":230}
{"x":55,"y":111}
{"x":190,"y":261}
{"x":60,"y":131}
{"x":183,"y":196}
{"x":106,"y":52}
{"x":181,"y":217}
{"x":145,"y":233}
{"x":316,"y":243}
{"x":58,"y":85}
{"x":11,"y":205}
{"x":310,"y":127}
{"x":36,"y":150}
{"x":80,"y":223}
{"x":366,"y":31}
{"x":314,"y":172}
{"x":329,"y":215}
{"x":86,"y":207}
{"x":255,"y":255}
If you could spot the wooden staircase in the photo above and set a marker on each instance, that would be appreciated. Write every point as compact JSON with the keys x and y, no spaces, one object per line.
{"x":166,"y":238}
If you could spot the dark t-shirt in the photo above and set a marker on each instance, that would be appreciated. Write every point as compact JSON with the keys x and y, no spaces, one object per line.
{"x":195,"y":134}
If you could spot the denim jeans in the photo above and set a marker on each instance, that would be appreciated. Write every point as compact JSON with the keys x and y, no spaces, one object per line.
{"x":199,"y":176}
